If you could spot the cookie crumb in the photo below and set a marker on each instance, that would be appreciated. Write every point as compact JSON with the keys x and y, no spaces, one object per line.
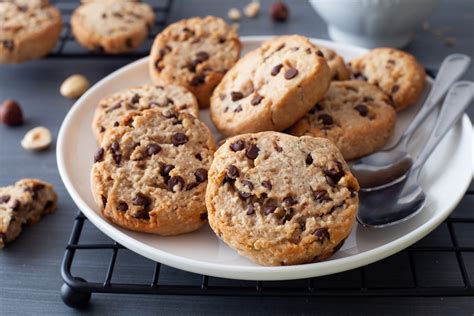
{"x":252,"y":9}
{"x":234,"y":14}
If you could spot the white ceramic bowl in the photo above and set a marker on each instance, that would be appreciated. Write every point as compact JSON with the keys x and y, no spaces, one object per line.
{"x":373,"y":23}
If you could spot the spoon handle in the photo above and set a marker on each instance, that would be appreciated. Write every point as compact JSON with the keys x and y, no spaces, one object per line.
{"x":457,"y":101}
{"x":451,"y":70}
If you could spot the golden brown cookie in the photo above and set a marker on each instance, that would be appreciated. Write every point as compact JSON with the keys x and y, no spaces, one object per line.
{"x":112,"y":27}
{"x":395,"y":72}
{"x":29,"y":29}
{"x":150,"y":173}
{"x":271,"y":87}
{"x":355,"y":115}
{"x":279,"y":199}
{"x":194,"y":53}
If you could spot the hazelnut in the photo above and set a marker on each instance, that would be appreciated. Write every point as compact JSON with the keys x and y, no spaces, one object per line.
{"x":38,"y":138}
{"x":279,"y":12}
{"x":10,"y":113}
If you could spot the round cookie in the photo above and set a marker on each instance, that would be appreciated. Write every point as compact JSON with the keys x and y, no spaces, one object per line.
{"x":150,"y":174}
{"x":112,"y":108}
{"x":112,"y":27}
{"x":395,"y":72}
{"x":29,"y":29}
{"x":354,"y":115}
{"x":194,"y":53}
{"x":339,"y":70}
{"x":271,"y":87}
{"x":279,"y":199}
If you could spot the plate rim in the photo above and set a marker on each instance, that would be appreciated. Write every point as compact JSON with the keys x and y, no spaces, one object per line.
{"x":230,"y":271}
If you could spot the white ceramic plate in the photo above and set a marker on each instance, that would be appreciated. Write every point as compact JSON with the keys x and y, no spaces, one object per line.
{"x":445,"y":179}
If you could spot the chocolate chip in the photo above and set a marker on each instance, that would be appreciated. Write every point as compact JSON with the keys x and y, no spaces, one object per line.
{"x":99,"y":155}
{"x":191,"y":186}
{"x":359,"y":76}
{"x":291,"y":73}
{"x":102,"y":129}
{"x":326,"y":119}
{"x":201,"y":175}
{"x":166,"y":169}
{"x":175,"y":181}
{"x":252,"y":152}
{"x":321,"y":196}
{"x":256,"y":100}
{"x":16,"y":205}
{"x":232,"y":172}
{"x":309,"y":159}
{"x":135,"y":99}
{"x":198,"y":80}
{"x":141,"y":200}
{"x":198,"y":157}
{"x":391,"y":61}
{"x":8,"y":44}
{"x":321,"y":234}
{"x":236,"y":95}
{"x":276,"y":69}
{"x":179,"y":139}
{"x":334,"y":174}
{"x":152,"y":149}
{"x":267,"y":184}
{"x":248,"y":184}
{"x":113,"y":108}
{"x":115,"y":146}
{"x":104,"y":200}
{"x":330,"y":181}
{"x":141,"y":214}
{"x":362,"y":109}
{"x":116,"y":124}
{"x":250,"y":209}
{"x":289,"y":201}
{"x":237,"y":145}
{"x":395,"y":88}
{"x":269,"y":206}
{"x":319,"y":53}
{"x":353,"y":192}
{"x":238,"y":109}
{"x":221,"y":40}
{"x":122,"y":206}
{"x":203,"y":216}
{"x":244,"y":195}
{"x":4,"y":199}
{"x":202,"y":56}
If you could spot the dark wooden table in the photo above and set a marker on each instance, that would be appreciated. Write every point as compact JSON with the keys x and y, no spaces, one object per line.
{"x":30,"y":267}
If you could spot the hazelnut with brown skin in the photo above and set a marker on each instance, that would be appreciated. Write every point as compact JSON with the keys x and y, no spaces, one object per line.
{"x":10,"y":113}
{"x":279,"y":11}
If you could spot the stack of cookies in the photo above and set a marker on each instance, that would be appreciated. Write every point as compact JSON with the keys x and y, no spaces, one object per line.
{"x":278,"y":190}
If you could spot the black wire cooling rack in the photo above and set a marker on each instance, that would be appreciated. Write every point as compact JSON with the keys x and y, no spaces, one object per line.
{"x":442,"y":264}
{"x":67,"y":47}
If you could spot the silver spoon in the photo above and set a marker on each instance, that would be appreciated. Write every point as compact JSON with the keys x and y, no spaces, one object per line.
{"x":403,"y":199}
{"x":383,"y":167}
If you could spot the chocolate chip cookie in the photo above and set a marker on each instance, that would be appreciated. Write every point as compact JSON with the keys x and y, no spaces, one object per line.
{"x":339,"y":70}
{"x":279,"y":199}
{"x":26,"y":202}
{"x":355,"y":115}
{"x":29,"y":29}
{"x":112,"y":108}
{"x":271,"y":87}
{"x":150,"y":173}
{"x":112,"y":27}
{"x":395,"y":72}
{"x":194,"y":53}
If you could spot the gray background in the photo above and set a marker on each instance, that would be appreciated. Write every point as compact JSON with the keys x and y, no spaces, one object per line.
{"x":29,"y":268}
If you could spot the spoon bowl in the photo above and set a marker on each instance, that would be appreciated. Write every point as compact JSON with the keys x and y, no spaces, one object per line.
{"x":403,"y":198}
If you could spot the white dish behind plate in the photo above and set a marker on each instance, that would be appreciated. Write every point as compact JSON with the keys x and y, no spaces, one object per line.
{"x":444,"y":179}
